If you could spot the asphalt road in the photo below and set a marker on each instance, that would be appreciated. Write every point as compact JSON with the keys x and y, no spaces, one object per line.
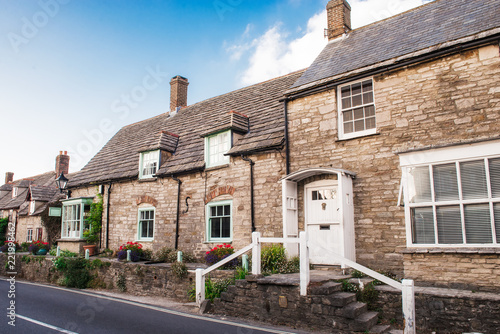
{"x":47,"y":309}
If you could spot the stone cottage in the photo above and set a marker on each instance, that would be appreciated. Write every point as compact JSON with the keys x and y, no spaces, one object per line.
{"x":386,"y":150}
{"x":189,"y":179}
{"x":23,"y":201}
{"x":394,"y":144}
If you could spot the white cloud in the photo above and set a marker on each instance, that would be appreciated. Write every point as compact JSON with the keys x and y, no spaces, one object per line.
{"x":272,"y":54}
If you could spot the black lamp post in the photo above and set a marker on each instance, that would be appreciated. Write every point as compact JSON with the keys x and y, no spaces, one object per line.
{"x":62,"y":183}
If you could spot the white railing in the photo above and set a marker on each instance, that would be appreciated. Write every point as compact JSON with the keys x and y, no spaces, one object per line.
{"x":406,"y":286}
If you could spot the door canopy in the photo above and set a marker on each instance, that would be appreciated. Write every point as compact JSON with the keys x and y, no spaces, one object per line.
{"x":305,"y":173}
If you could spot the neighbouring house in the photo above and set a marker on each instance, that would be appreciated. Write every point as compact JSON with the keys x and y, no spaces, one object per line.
{"x":189,"y":179}
{"x":24,"y":201}
{"x":394,"y":144}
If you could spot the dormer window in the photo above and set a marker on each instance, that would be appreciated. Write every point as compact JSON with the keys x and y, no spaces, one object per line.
{"x":14,"y":192}
{"x":215,"y":147}
{"x":32,"y":207}
{"x":149,"y":164}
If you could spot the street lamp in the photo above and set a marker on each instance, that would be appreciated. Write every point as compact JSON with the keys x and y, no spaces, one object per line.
{"x":62,"y":183}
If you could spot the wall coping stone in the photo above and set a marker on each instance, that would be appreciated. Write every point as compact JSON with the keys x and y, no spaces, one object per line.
{"x":444,"y":292}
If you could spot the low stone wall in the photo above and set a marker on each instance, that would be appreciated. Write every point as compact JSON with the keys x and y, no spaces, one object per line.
{"x":444,"y":310}
{"x":135,"y":278}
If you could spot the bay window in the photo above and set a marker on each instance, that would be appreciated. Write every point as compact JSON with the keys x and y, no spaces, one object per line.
{"x":74,"y":214}
{"x":453,"y":202}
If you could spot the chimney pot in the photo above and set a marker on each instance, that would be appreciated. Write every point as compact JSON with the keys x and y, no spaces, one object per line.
{"x":178,"y":92}
{"x":339,"y":18}
{"x":62,"y":163}
{"x":9,"y":177}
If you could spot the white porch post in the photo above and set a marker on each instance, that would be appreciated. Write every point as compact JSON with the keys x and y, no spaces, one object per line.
{"x":200,"y":286}
{"x":409,"y":306}
{"x":256,"y":253}
{"x":304,"y":263}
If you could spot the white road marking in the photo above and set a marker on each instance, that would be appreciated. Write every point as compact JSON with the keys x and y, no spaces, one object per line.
{"x":62,"y":330}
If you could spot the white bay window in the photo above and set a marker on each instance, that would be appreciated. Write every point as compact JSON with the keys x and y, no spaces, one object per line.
{"x":453,"y":201}
{"x":74,"y":214}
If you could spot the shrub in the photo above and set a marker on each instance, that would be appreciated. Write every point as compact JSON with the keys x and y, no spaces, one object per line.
{"x":162,"y":255}
{"x":213,"y":288}
{"x":274,"y":261}
{"x":179,"y":269}
{"x":76,"y":272}
{"x":24,"y":246}
{"x":220,"y":252}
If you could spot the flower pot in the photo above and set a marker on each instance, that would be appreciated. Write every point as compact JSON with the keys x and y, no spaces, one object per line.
{"x":42,"y":251}
{"x":92,"y":249}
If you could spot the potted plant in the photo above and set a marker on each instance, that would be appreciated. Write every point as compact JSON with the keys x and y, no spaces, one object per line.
{"x":94,"y":220}
{"x":135,"y":251}
{"x":38,"y":247}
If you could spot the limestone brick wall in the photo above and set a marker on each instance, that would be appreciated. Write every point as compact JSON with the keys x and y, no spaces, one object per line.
{"x":445,"y":101}
{"x":475,"y":269}
{"x":26,"y":222}
{"x":230,"y":182}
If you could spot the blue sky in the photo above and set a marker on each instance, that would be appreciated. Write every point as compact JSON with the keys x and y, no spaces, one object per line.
{"x":73,"y":72}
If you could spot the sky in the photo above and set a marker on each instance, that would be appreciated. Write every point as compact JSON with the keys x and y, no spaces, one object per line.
{"x":73,"y":72}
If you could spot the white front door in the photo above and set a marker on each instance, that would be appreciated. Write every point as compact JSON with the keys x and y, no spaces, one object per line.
{"x":323,"y":221}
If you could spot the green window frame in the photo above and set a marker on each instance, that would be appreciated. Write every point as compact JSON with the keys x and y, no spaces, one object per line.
{"x":215,"y":147}
{"x":74,"y":217}
{"x":149,"y":164}
{"x":220,"y":221}
{"x":146,"y":223}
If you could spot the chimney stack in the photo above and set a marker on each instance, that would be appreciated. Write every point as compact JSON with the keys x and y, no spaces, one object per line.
{"x":62,"y":163}
{"x":9,"y":177}
{"x":178,"y":92}
{"x":339,"y":18}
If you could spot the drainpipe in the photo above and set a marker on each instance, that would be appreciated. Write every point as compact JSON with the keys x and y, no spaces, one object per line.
{"x":252,"y":215}
{"x":107,"y":216}
{"x":287,"y":145}
{"x":179,"y":182}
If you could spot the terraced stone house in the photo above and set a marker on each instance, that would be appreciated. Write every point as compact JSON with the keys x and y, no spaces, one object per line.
{"x":386,"y":150}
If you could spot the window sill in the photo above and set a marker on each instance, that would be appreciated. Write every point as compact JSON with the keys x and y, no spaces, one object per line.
{"x":216,"y":167}
{"x":229,"y":242}
{"x":148,"y":179}
{"x":357,"y":137}
{"x":148,"y":240}
{"x":455,"y":250}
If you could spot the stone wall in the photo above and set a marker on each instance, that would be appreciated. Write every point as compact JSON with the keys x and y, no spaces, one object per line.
{"x":444,"y":310}
{"x":414,"y":108}
{"x":135,"y":278}
{"x":216,"y":184}
{"x":476,"y":269}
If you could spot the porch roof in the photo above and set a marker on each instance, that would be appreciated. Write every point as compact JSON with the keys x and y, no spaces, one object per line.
{"x":308,"y":172}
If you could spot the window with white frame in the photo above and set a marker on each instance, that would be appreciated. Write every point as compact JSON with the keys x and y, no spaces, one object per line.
{"x":149,"y":164}
{"x":356,"y":109}
{"x":146,"y":224}
{"x":29,"y":235}
{"x":14,"y":192}
{"x":74,"y":214}
{"x":215,"y":148}
{"x":454,"y":202}
{"x":219,"y":221}
{"x":32,"y":207}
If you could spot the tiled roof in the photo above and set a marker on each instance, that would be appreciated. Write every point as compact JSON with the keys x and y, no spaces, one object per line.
{"x":232,"y":120}
{"x":119,"y":158}
{"x":163,"y":140}
{"x":43,"y":180}
{"x":43,"y":193}
{"x":427,"y":27}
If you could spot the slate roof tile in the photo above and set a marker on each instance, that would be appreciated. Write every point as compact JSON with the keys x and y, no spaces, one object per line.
{"x":427,"y":26}
{"x":119,"y":158}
